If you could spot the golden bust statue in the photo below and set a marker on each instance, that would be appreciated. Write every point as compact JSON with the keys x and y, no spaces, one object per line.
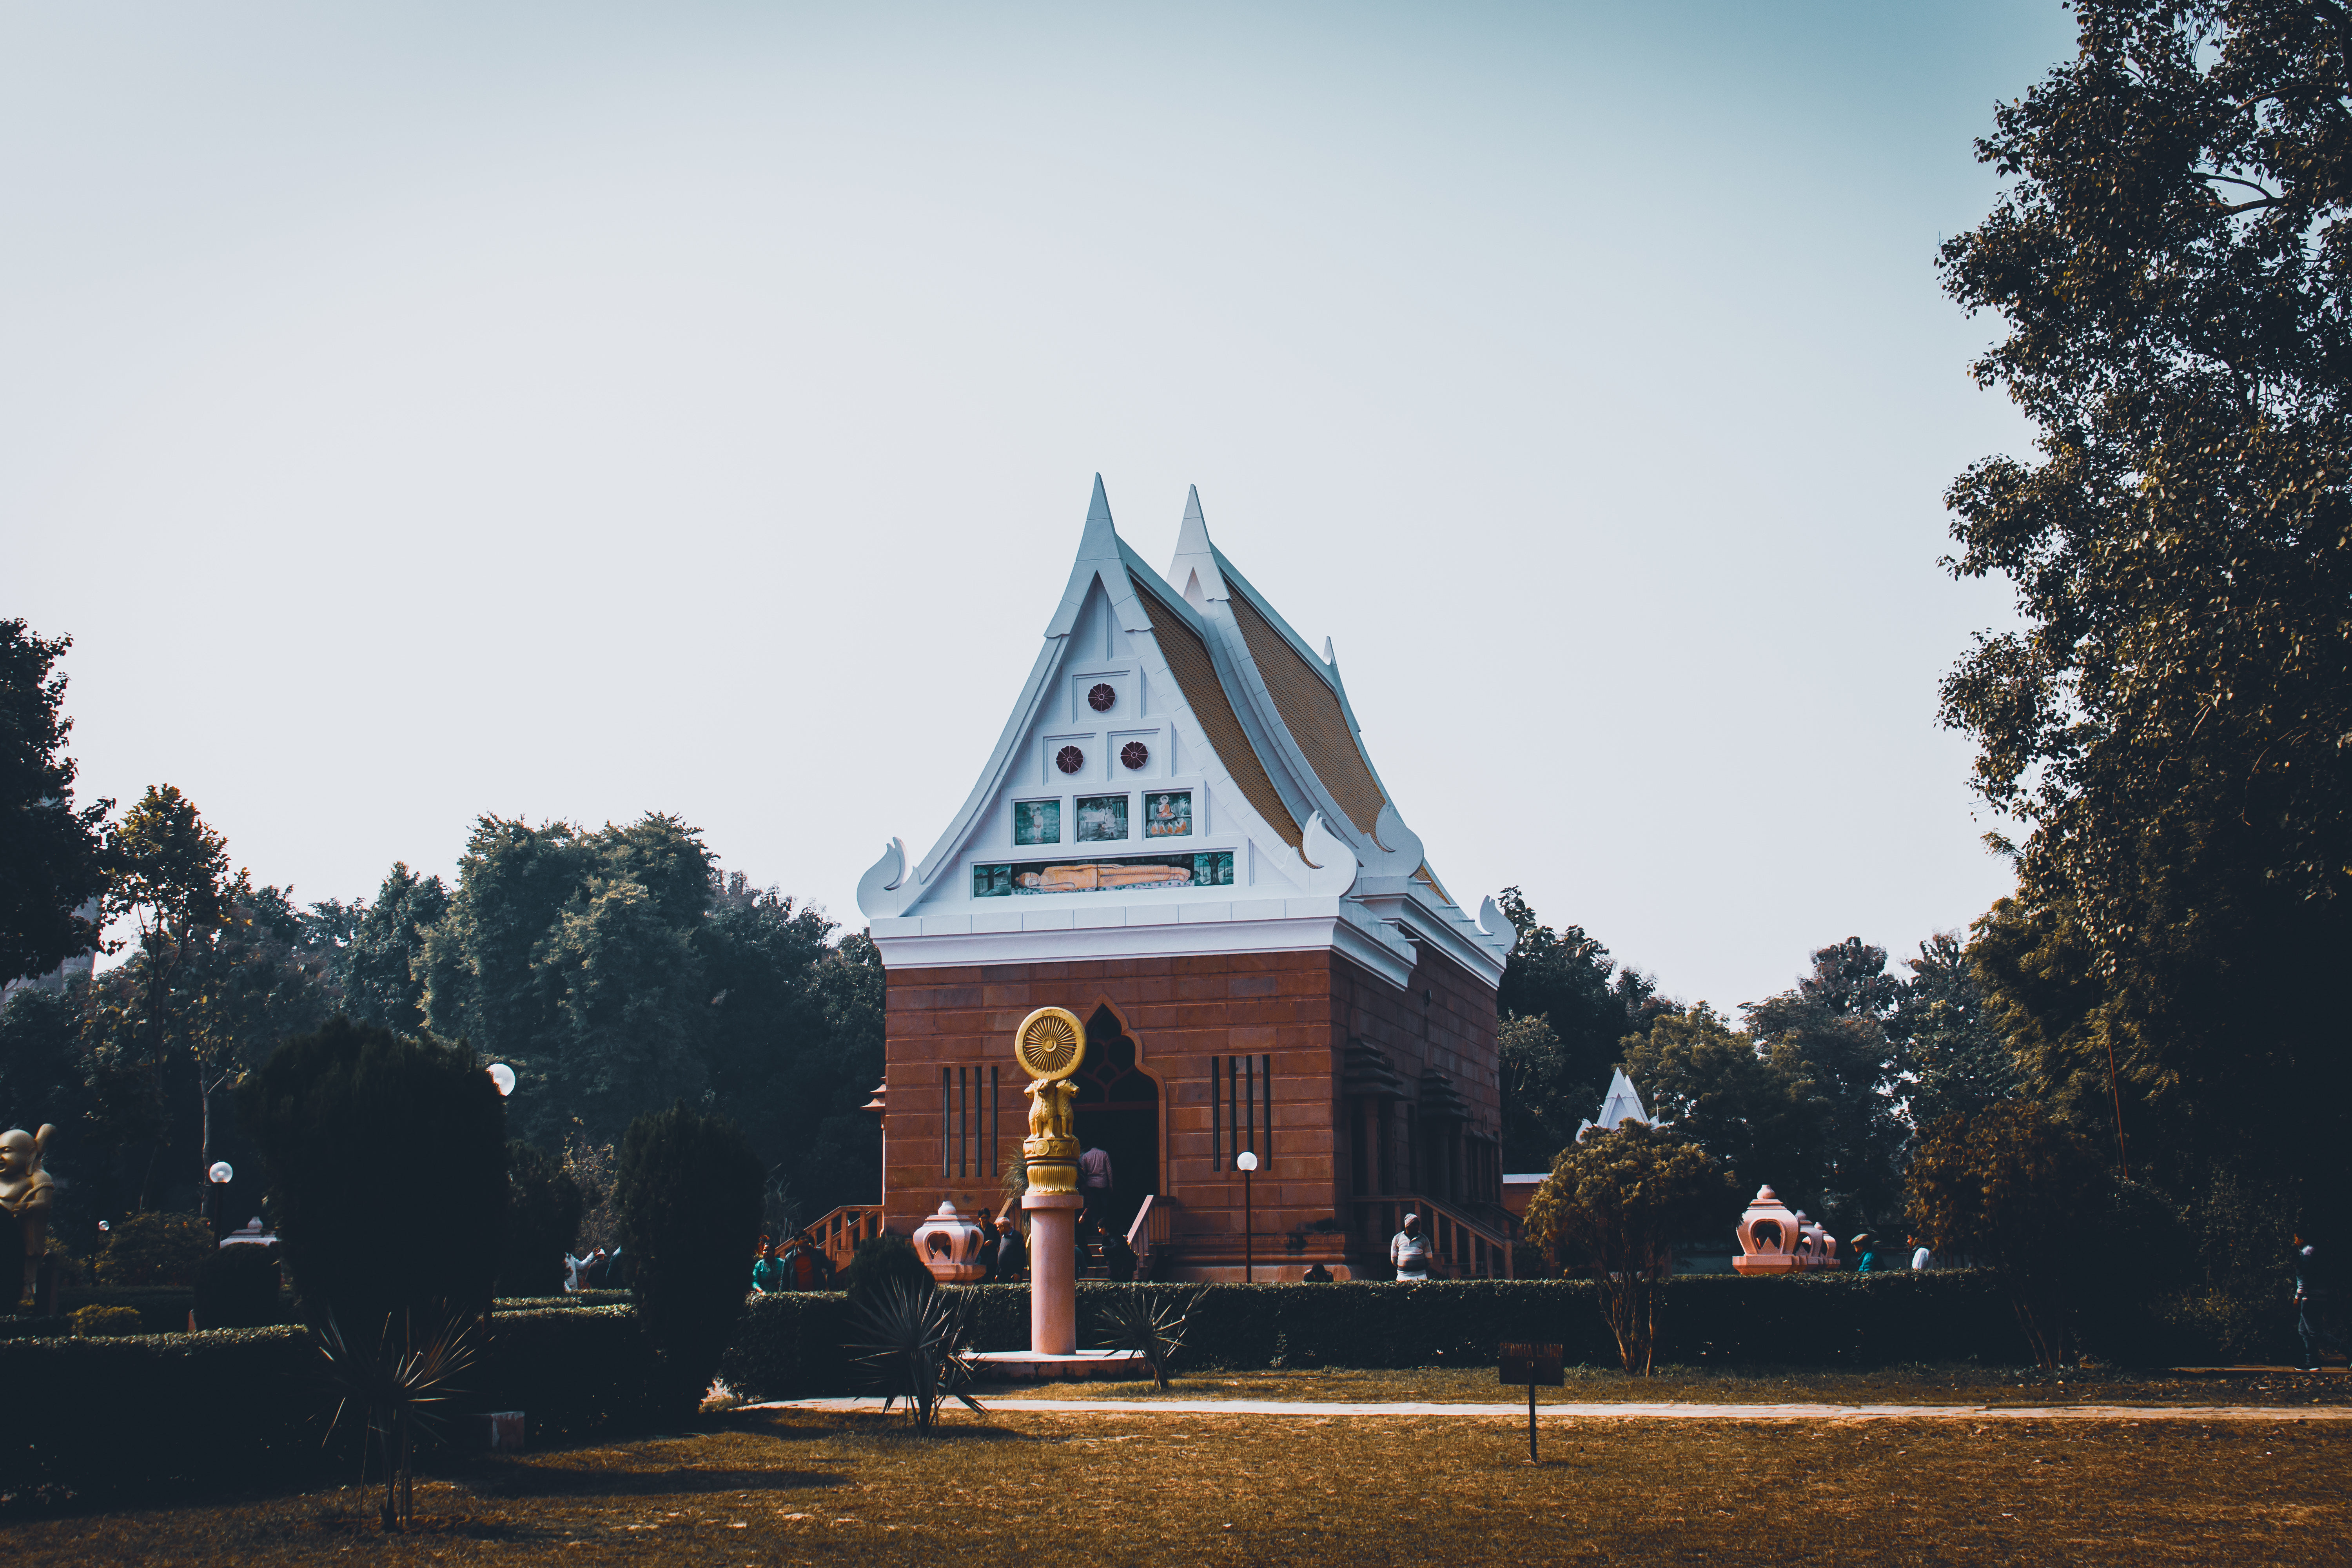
{"x":26,"y":1191}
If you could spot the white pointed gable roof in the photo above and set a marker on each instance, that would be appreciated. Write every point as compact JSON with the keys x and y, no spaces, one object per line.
{"x":1621,"y":1104}
{"x":1227,"y":703}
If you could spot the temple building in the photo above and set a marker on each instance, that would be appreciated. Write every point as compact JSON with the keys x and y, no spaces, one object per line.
{"x":1180,"y":839}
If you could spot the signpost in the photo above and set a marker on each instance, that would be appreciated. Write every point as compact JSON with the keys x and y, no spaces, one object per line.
{"x":1537,"y":1366}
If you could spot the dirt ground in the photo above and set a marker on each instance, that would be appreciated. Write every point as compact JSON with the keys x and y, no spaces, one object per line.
{"x":755,"y":1486}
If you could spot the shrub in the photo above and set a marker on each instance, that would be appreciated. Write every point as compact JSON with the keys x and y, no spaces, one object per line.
{"x":386,"y":1160}
{"x":914,"y":1344}
{"x":94,"y":1321}
{"x":156,"y":1249}
{"x":1613,"y":1202}
{"x":688,"y":1193}
{"x":881,"y":1263}
{"x":543,"y":1208}
{"x":238,"y":1287}
{"x":2017,"y":1191}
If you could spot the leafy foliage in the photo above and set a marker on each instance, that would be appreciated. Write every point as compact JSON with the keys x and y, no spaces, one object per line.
{"x":1953,"y":1060}
{"x":386,"y":1158}
{"x":543,"y":1209}
{"x":1828,"y":1034}
{"x":1613,"y":1206}
{"x":913,"y":1346}
{"x":1749,"y":1110}
{"x":1563,"y":1017}
{"x":619,"y":969}
{"x":238,"y":1287}
{"x":884,"y":1262}
{"x":156,"y":1249}
{"x":1137,"y":1320}
{"x":2173,"y":265}
{"x":689,"y":1197}
{"x":2013,"y":1189}
{"x":52,"y":856}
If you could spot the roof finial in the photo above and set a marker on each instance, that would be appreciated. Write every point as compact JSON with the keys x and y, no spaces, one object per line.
{"x":1099,"y":509}
{"x":1193,"y":505}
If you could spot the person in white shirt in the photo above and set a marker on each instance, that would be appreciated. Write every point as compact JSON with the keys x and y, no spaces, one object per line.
{"x":1408,"y":1252}
{"x":1923,"y":1256}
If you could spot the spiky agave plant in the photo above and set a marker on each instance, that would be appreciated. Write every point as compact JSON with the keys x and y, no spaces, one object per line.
{"x":396,"y":1386}
{"x":1134,"y":1320}
{"x":916,"y":1348}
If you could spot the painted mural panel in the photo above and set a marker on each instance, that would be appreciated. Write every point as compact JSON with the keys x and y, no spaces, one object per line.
{"x":1102,"y":818}
{"x":1214,"y":869}
{"x":1037,"y":822}
{"x":1168,"y":815}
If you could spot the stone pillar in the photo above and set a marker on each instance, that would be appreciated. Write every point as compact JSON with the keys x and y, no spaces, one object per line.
{"x":1053,"y":1272}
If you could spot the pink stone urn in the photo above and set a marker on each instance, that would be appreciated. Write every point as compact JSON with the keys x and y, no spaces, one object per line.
{"x":1768,"y":1236}
{"x":951,"y":1247}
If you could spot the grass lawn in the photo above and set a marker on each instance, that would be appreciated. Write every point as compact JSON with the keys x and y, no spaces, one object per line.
{"x":1768,"y":1385}
{"x":778,"y":1486}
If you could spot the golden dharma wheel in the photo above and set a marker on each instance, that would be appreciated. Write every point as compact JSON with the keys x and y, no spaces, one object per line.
{"x":1050,"y":1043}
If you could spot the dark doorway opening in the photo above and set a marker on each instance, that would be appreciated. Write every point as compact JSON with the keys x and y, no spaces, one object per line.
{"x":1118,"y":1111}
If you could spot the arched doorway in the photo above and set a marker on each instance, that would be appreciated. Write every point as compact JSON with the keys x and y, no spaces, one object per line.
{"x":1118,"y":1111}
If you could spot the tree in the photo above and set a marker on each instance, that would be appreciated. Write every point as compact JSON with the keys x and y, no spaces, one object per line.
{"x":170,"y":871}
{"x":386,"y":1157}
{"x":1554,"y":1076}
{"x":689,"y":1197}
{"x":2016,"y":1192}
{"x":1751,"y":1112}
{"x":1829,"y":1032}
{"x":1614,"y":1205}
{"x":543,"y":1208}
{"x":378,"y":947}
{"x":2173,"y":267}
{"x":52,"y":856}
{"x":1952,"y":1058}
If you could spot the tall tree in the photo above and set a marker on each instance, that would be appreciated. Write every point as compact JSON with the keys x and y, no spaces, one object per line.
{"x":379,"y":948}
{"x":1555,"y":1075}
{"x":1829,"y":1031}
{"x":2173,"y":265}
{"x":1760,"y":1116}
{"x":1952,"y":1058}
{"x":170,"y":873}
{"x":52,"y":856}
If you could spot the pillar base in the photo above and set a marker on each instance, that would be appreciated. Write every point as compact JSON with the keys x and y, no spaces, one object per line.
{"x":1053,"y":1272}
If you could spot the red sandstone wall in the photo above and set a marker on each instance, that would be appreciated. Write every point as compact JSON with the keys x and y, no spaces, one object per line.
{"x":1299,"y":1008}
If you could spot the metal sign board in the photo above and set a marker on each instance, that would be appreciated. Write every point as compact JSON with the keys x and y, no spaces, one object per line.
{"x":1531,"y":1365}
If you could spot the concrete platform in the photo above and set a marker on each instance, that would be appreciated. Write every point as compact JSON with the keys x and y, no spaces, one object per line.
{"x":1028,"y":1367}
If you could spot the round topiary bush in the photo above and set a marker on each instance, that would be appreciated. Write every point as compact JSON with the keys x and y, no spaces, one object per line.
{"x":689,"y":1191}
{"x":387,"y":1164}
{"x":238,"y":1287}
{"x":94,"y":1321}
{"x":881,"y":1261}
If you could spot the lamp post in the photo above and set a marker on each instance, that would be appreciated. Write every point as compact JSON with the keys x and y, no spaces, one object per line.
{"x":220,"y":1174}
{"x":1247,"y":1161}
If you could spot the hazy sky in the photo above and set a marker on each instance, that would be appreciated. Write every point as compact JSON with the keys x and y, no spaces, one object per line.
{"x":577,"y":410}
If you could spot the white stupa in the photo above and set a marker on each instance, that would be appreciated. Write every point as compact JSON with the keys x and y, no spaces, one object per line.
{"x":1621,"y":1104}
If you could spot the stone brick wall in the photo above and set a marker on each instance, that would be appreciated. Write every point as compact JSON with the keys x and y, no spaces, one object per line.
{"x":1299,"y":1009}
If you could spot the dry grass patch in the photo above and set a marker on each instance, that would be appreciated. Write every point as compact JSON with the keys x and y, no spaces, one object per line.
{"x":1767,"y":1385}
{"x":1102,"y":1487}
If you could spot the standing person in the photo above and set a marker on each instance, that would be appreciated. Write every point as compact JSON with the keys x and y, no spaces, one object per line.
{"x":1011,"y":1258}
{"x":1923,"y":1256}
{"x":1409,"y":1252}
{"x":1866,"y":1246}
{"x":986,"y":1257}
{"x":2315,"y":1303}
{"x":1095,"y":1186}
{"x":768,"y":1270}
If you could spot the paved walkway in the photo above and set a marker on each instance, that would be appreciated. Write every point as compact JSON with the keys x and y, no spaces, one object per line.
{"x":1629,"y":1411}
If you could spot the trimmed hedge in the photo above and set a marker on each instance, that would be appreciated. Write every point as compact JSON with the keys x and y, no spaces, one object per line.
{"x":794,"y":1344}
{"x":137,"y":1414}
